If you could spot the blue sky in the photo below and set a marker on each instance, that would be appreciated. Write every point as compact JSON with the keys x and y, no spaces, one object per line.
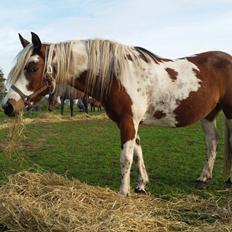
{"x":170,"y":28}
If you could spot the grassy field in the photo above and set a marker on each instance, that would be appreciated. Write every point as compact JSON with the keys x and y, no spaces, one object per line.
{"x":89,"y":150}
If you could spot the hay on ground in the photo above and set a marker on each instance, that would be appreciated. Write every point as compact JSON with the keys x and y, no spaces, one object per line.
{"x":82,"y":116}
{"x":49,"y":117}
{"x":15,"y":136}
{"x":49,"y":202}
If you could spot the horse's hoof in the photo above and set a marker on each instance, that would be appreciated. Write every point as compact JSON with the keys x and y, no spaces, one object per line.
{"x":200,"y":184}
{"x":228,"y":183}
{"x":140,"y":191}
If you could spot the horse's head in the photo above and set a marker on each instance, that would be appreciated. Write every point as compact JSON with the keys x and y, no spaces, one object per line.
{"x":28,"y":81}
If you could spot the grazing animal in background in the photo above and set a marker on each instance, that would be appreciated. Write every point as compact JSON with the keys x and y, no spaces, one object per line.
{"x":95,"y":104}
{"x":64,"y":92}
{"x":80,"y":105}
{"x":135,"y":86}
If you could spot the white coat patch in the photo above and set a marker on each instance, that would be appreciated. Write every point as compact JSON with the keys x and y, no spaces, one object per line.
{"x":21,"y":84}
{"x":34,"y":59}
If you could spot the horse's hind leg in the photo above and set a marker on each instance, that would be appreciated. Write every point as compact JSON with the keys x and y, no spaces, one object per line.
{"x":228,"y":151}
{"x":142,"y":173}
{"x":211,"y":137}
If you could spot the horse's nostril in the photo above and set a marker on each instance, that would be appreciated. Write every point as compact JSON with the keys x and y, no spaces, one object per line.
{"x":8,"y":109}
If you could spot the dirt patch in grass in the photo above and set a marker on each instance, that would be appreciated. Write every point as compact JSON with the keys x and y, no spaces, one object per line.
{"x":49,"y":202}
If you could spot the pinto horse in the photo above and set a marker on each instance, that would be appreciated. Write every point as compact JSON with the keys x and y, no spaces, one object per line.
{"x":64,"y":92}
{"x":134,"y":86}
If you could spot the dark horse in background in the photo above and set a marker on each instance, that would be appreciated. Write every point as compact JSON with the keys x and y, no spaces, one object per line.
{"x":66,"y":92}
{"x":135,"y":86}
{"x":94,"y":104}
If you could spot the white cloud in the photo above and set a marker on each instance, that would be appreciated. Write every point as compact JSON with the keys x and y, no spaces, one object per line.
{"x":167,"y":27}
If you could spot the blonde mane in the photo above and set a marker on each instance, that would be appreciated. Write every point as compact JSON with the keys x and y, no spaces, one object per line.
{"x":106,"y":61}
{"x":59,"y":60}
{"x":21,"y":60}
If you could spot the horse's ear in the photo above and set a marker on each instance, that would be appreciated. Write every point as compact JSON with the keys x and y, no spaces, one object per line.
{"x":23,"y":41}
{"x":36,"y":42}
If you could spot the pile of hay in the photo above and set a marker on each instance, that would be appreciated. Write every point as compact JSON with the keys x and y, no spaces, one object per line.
{"x":49,"y":202}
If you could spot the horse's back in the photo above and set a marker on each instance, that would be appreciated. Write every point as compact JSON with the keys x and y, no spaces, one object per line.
{"x":186,"y":90}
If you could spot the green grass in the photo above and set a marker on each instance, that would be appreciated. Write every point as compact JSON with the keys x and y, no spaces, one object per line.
{"x":89,"y":151}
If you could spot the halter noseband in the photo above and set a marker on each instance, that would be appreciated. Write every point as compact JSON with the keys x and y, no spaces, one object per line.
{"x":27,"y":99}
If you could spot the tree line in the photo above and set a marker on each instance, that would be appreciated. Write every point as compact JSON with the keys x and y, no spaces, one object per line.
{"x":2,"y":85}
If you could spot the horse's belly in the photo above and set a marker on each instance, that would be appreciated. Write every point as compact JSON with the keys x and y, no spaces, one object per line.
{"x":160,"y":120}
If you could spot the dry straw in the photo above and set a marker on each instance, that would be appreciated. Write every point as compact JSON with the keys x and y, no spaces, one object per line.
{"x":49,"y":202}
{"x":15,"y":138}
{"x":16,"y":126}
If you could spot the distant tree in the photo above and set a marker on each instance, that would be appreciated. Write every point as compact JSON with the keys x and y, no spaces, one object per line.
{"x":2,"y":85}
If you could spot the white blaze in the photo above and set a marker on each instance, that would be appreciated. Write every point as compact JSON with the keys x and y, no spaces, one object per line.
{"x":34,"y":58}
{"x":21,"y":84}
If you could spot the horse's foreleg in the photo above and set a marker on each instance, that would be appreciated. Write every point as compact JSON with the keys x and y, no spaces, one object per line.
{"x":142,"y":173}
{"x":128,"y":132}
{"x":211,"y":137}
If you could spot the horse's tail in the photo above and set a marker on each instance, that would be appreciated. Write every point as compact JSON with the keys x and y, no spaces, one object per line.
{"x":228,"y":148}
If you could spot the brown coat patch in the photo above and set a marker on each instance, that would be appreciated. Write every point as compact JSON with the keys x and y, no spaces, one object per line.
{"x":117,"y":105}
{"x":137,"y":141}
{"x":172,"y":73}
{"x":214,"y":93}
{"x":159,"y":114}
{"x":36,"y":79}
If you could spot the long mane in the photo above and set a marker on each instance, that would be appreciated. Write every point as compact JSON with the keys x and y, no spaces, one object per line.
{"x":21,"y":60}
{"x":107,"y":60}
{"x":63,"y":65}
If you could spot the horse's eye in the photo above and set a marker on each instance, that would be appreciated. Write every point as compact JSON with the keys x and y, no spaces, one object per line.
{"x":32,"y":69}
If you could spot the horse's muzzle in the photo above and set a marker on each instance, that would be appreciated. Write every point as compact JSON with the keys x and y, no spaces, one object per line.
{"x":12,"y":108}
{"x":9,"y":109}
